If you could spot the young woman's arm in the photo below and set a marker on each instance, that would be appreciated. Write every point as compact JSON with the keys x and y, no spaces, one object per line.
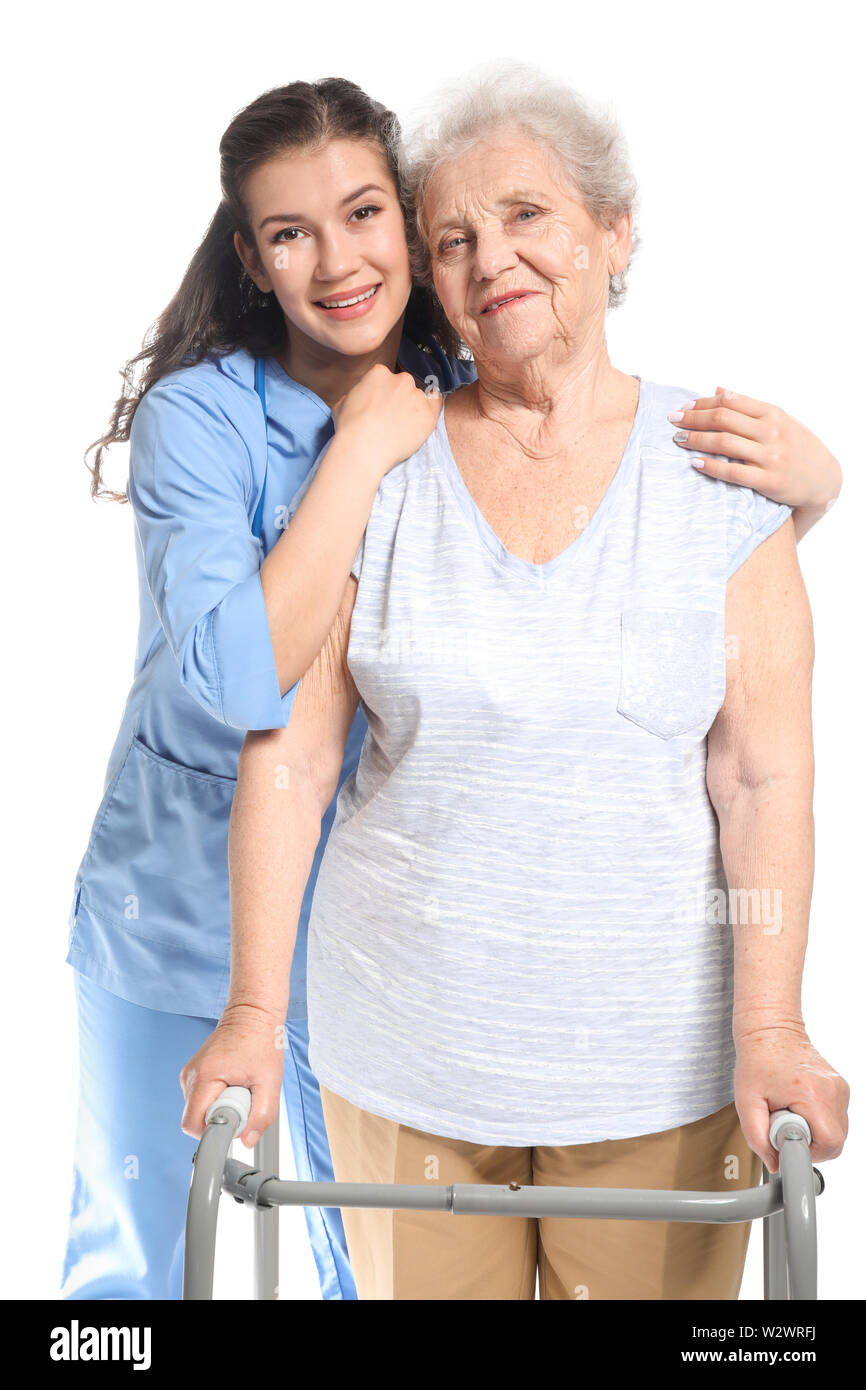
{"x":384,"y":418}
{"x":765,"y":449}
{"x":286,"y":781}
{"x":243,"y":632}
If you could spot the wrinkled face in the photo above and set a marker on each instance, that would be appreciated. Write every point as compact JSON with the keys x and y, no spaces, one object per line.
{"x":329,"y":226}
{"x":502,"y":221}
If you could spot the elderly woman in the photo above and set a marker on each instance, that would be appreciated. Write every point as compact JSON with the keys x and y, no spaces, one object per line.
{"x":559,"y":926}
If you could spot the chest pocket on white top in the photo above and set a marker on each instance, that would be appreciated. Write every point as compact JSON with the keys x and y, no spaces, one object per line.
{"x":672,"y":668}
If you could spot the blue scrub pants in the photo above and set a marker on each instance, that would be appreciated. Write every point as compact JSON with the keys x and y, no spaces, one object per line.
{"x":133,"y":1162}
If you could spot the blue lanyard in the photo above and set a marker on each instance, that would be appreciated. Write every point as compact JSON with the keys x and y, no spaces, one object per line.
{"x":260,"y":387}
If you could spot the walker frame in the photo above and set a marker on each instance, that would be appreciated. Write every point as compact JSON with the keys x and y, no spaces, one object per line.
{"x":785,"y":1202}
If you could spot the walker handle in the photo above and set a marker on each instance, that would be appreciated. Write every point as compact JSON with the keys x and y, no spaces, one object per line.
{"x":239,"y":1099}
{"x":782,"y":1118}
{"x":236,"y":1098}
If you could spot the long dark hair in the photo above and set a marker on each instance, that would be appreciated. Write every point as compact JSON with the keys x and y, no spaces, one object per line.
{"x":218,"y":308}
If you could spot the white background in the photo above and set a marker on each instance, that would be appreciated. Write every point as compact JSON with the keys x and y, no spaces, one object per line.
{"x":745,"y":125}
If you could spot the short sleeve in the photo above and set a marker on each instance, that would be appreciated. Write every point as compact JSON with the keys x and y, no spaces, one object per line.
{"x":190,"y":480}
{"x":751,"y":518}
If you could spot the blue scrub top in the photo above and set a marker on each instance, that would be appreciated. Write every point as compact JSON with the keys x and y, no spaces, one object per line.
{"x":150,"y":917}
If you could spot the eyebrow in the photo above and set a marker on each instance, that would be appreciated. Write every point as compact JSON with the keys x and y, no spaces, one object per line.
{"x":299,"y":216}
{"x":519,"y":195}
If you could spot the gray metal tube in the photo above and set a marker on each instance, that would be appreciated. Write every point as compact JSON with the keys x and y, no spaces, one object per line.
{"x":199,"y":1247}
{"x":617,"y":1203}
{"x":267,"y":1243}
{"x":775,"y":1252}
{"x":791,"y":1243}
{"x":634,"y":1204}
{"x":284,"y":1192}
{"x":801,"y":1237}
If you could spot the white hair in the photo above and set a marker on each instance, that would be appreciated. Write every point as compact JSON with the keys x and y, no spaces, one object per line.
{"x":506,"y":94}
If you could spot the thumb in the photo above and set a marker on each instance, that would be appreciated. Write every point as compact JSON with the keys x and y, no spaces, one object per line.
{"x":202,"y":1094}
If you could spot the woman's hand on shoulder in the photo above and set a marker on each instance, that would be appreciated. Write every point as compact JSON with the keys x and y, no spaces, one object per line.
{"x":247,"y":1048}
{"x":388,"y":415}
{"x":759,"y":446}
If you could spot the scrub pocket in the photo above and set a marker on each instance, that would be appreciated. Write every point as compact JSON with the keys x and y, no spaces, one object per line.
{"x":672,"y":668}
{"x":157,"y":864}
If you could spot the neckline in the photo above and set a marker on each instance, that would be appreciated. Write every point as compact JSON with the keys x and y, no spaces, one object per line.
{"x":278,"y":372}
{"x":506,"y":557}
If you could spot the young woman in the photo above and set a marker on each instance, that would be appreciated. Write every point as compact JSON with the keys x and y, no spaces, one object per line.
{"x":270,"y":355}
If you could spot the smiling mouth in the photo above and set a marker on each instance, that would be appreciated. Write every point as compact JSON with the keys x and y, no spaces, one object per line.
{"x":509,"y":299}
{"x":347,"y":303}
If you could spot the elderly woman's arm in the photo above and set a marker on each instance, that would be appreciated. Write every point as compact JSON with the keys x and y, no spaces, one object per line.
{"x":286,"y":781}
{"x":762,"y":448}
{"x":760,"y":776}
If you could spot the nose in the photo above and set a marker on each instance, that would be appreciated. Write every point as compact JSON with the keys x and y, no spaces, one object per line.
{"x":337,"y":256}
{"x":494,"y":253}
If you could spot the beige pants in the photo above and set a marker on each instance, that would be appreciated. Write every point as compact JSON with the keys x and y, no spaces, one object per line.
{"x":437,"y":1255}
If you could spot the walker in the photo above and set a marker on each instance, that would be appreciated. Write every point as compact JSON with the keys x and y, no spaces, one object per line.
{"x":784,"y":1202}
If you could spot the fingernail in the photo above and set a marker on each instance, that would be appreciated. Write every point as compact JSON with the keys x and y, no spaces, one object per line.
{"x":680,"y":436}
{"x":697,"y":463}
{"x":728,"y":395}
{"x":252,"y":1138}
{"x":675,"y":415}
{"x":688,"y":405}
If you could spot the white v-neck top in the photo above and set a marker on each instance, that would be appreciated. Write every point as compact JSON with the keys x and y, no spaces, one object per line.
{"x":516,"y":935}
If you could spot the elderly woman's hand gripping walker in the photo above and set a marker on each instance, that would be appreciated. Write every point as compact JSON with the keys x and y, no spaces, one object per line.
{"x":535,"y":450}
